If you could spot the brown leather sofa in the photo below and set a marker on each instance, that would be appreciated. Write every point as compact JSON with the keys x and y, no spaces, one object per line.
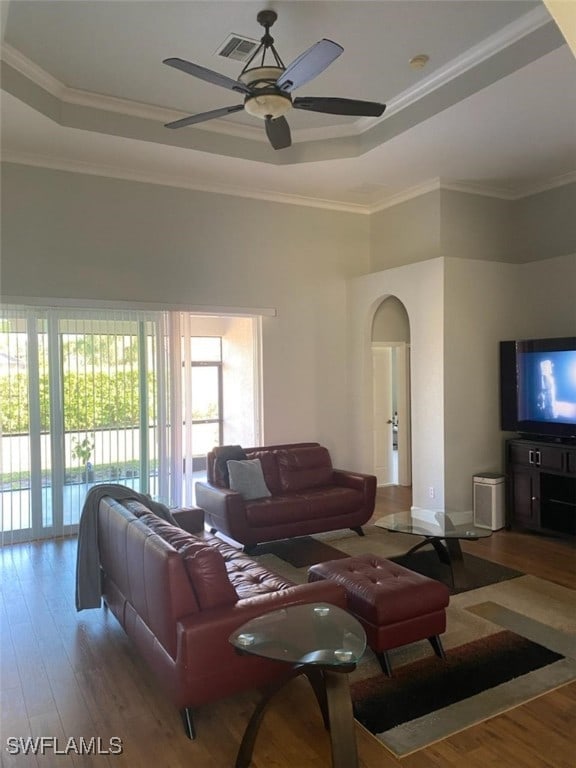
{"x":180,"y":595}
{"x":308,"y":496}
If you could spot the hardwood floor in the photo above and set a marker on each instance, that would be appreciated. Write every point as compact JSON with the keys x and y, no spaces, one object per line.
{"x":68,"y":674}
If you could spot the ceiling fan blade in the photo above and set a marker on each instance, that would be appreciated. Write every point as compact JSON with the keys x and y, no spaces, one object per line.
{"x":278,"y":132}
{"x":309,"y":65}
{"x":200,"y":118}
{"x":335,"y":106}
{"x":207,"y":74}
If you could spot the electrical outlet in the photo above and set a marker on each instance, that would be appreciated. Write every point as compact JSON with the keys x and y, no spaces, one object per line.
{"x":431,"y":492}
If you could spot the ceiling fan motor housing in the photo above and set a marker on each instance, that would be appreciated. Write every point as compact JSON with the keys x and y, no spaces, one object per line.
{"x":269,"y":101}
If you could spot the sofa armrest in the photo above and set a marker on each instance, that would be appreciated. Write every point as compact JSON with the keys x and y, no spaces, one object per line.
{"x":190,"y":519}
{"x":355,"y":480}
{"x":203,"y":637}
{"x":224,"y":510}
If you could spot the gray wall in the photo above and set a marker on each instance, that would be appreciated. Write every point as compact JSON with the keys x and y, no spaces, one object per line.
{"x":406,"y":233}
{"x":463,"y":225}
{"x":73,"y":236}
{"x":68,"y":235}
{"x":476,"y":227}
{"x":545,"y":224}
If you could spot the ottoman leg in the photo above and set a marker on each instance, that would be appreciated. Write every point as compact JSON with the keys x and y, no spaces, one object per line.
{"x":384,"y":660}
{"x":436,"y":643}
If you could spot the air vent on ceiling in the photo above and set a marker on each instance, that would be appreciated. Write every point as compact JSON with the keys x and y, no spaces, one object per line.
{"x":237,"y":47}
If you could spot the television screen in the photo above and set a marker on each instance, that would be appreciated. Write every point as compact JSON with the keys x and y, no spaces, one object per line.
{"x":547,"y":386}
{"x":538,"y":387}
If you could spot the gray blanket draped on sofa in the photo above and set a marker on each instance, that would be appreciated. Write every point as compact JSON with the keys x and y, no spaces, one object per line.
{"x":88,"y":587}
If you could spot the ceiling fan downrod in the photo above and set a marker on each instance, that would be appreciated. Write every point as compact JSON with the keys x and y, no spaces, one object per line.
{"x":266,"y":19}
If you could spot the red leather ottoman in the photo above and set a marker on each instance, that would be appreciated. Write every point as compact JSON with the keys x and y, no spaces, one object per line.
{"x":395,"y":606}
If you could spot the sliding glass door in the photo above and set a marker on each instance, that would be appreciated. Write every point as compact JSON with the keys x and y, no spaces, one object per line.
{"x":80,"y":400}
{"x":129,"y":397}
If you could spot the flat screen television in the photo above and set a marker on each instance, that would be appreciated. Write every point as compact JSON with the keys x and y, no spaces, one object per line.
{"x":538,"y":387}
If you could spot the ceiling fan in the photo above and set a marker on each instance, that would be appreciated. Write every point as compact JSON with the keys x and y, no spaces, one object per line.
{"x":267,"y":88}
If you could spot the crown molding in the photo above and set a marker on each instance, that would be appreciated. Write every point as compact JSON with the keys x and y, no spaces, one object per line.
{"x":432,"y":185}
{"x":503,"y":193}
{"x":141,"y":306}
{"x":388,"y":201}
{"x":129,"y":174}
{"x":557,"y":181}
{"x":497,"y":42}
{"x":477,"y":188}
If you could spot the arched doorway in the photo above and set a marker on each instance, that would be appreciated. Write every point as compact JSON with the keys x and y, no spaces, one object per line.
{"x":391,"y":422}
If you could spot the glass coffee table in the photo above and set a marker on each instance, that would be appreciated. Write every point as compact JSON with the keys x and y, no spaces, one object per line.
{"x":322,"y":642}
{"x":444,"y":534}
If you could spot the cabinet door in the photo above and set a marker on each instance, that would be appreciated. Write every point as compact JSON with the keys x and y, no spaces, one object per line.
{"x":525,"y":504}
{"x":571,"y":462}
{"x":538,"y":455}
{"x":550,"y":457}
{"x":521,"y":453}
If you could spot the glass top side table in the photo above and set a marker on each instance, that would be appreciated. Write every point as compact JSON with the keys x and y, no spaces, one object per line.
{"x":318,"y":640}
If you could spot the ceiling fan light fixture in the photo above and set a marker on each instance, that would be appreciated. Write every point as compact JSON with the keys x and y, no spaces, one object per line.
{"x":268,"y":101}
{"x":268,"y":105}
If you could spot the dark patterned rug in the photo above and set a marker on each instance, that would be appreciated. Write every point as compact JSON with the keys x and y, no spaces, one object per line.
{"x":301,"y":551}
{"x":304,"y":551}
{"x":424,"y":687}
{"x":479,"y":572}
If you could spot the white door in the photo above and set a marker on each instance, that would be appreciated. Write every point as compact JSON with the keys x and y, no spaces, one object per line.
{"x":402,"y":382}
{"x":382,"y":372}
{"x":391,"y":398}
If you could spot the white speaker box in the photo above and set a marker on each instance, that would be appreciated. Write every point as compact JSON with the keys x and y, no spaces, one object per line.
{"x":489,"y":503}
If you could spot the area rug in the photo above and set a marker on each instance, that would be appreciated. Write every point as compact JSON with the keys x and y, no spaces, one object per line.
{"x":301,"y":552}
{"x":480,"y":679}
{"x":421,"y":688}
{"x":533,"y":608}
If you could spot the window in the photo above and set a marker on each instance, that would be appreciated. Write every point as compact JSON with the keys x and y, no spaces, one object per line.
{"x":129,"y":397}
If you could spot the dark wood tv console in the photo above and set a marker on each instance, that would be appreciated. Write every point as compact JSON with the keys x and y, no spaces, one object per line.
{"x":541,"y":486}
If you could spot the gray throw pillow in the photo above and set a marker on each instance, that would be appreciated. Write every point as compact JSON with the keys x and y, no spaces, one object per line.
{"x":247,"y":478}
{"x":224,"y":454}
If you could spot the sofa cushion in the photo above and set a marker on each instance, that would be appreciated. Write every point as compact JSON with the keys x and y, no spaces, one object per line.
{"x":177,"y":537}
{"x":269,"y":468}
{"x":331,"y":502}
{"x":247,"y":478}
{"x":208,"y":575}
{"x":205,"y":566}
{"x":302,"y":468}
{"x":276,"y":510}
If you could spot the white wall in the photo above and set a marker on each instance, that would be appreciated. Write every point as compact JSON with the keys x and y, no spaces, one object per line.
{"x":76,"y":236}
{"x":420,"y":287}
{"x":459,"y":311}
{"x":481,"y":309}
{"x":391,"y":322}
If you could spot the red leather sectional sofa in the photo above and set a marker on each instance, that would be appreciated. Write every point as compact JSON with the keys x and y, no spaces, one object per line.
{"x":179,"y":596}
{"x":308,"y":496}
